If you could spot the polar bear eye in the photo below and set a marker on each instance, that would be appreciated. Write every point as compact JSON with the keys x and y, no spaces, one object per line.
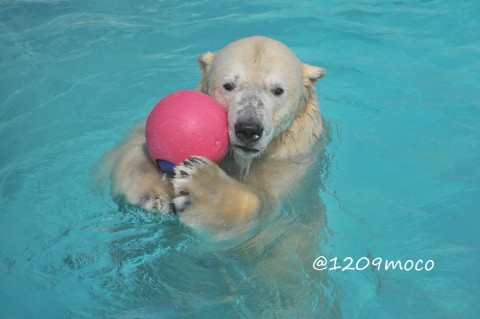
{"x":228,"y":86}
{"x":278,"y":91}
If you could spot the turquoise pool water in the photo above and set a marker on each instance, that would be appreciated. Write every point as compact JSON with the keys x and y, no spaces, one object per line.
{"x":400,"y":179}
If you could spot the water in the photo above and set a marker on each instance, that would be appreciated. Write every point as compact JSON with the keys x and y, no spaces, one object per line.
{"x":400,"y":179}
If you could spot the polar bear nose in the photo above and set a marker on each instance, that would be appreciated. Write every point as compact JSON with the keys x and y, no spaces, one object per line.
{"x":248,"y":132}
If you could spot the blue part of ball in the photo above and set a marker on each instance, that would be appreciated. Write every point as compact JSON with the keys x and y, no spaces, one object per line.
{"x":166,"y":167}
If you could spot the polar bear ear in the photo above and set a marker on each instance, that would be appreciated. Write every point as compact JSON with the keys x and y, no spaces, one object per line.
{"x":312,"y":74}
{"x":205,"y":61}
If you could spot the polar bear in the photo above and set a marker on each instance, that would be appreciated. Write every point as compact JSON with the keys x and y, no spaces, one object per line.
{"x":274,"y":127}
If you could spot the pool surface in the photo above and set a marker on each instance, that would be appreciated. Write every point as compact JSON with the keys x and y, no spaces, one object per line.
{"x":399,"y":180}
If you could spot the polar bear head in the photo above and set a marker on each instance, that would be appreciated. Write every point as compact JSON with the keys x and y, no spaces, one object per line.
{"x":262,"y":85}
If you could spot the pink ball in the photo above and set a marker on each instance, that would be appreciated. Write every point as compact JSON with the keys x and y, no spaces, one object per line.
{"x":186,"y":124}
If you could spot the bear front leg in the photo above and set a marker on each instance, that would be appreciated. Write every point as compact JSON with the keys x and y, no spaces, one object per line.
{"x":205,"y":197}
{"x":136,"y":177}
